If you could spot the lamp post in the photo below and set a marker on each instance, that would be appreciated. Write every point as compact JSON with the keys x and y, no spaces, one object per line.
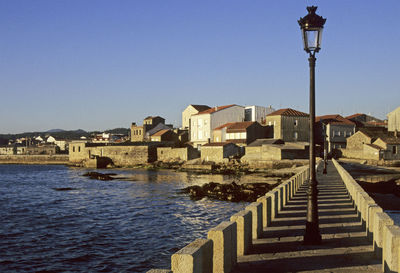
{"x":311,"y":27}
{"x":325,"y":150}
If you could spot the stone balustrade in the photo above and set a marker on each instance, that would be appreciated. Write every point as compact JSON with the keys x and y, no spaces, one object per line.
{"x":226,"y":241}
{"x":218,"y":253}
{"x":379,"y":227}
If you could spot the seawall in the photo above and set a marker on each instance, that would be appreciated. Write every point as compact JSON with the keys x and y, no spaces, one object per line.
{"x":34,"y":159}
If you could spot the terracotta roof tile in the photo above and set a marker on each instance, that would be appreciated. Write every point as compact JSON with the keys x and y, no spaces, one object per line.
{"x":223,"y":125}
{"x":215,"y":109}
{"x":240,"y":125}
{"x":334,"y":119}
{"x":355,"y":115}
{"x":288,"y":112}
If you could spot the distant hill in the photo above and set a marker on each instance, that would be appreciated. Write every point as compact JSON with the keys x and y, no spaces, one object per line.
{"x":55,"y":131}
{"x":63,"y":134}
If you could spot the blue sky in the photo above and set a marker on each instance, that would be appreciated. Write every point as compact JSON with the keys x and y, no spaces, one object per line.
{"x":98,"y":64}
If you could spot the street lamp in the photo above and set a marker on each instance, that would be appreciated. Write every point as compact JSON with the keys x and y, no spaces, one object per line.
{"x":311,"y":27}
{"x":325,"y":149}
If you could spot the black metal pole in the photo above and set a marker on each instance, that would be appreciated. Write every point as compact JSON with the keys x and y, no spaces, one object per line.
{"x":325,"y":151}
{"x":312,"y":234}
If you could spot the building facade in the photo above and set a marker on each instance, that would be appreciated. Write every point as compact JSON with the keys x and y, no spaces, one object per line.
{"x":394,"y":120}
{"x":139,"y":133}
{"x":334,"y":129}
{"x":241,"y":133}
{"x":257,"y":113}
{"x":189,"y":111}
{"x":289,"y":124}
{"x":203,"y":123}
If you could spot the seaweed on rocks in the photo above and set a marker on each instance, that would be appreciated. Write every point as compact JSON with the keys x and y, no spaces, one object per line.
{"x":228,"y":192}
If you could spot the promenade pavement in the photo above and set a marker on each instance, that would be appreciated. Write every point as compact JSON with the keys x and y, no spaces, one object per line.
{"x":345,"y":246}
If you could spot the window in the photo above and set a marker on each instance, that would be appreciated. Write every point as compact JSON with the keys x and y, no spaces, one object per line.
{"x":295,"y":135}
{"x":296,"y":122}
{"x":200,"y":134}
{"x":79,"y":149}
{"x":73,"y":149}
{"x":394,"y":150}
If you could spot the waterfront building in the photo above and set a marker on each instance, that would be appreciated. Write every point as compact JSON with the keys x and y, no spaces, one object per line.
{"x":394,"y":120}
{"x":373,"y":144}
{"x":336,"y":129}
{"x":140,"y":133}
{"x":203,"y":123}
{"x":189,"y":111}
{"x":289,"y":124}
{"x":241,"y":133}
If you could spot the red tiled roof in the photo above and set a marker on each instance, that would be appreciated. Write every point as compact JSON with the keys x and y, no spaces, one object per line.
{"x":160,"y":133}
{"x":215,"y":109}
{"x":334,"y":119}
{"x":236,"y":125}
{"x":240,"y":125}
{"x":223,"y":125}
{"x":288,"y":112}
{"x":354,"y":116}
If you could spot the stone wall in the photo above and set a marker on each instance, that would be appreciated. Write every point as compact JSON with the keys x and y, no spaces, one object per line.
{"x":168,"y":153}
{"x":121,"y":155}
{"x":34,"y":159}
{"x":379,"y":227}
{"x":366,"y":153}
{"x":212,"y":153}
{"x":356,"y":141}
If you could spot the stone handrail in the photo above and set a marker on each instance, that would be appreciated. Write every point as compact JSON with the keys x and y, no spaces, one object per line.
{"x":218,"y":253}
{"x":379,"y":226}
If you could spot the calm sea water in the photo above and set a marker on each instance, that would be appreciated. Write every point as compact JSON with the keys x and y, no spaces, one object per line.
{"x":99,"y":226}
{"x":395,"y":214}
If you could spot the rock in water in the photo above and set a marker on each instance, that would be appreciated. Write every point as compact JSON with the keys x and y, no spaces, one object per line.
{"x":99,"y":176}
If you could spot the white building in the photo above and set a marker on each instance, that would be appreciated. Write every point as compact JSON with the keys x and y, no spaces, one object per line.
{"x":394,"y":120}
{"x":203,"y":123}
{"x":189,"y":111}
{"x":257,"y":113}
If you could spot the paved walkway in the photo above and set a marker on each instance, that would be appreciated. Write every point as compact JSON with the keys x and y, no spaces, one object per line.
{"x":345,"y":247}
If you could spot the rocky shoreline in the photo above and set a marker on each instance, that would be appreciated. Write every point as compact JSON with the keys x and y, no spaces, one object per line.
{"x":229,"y":192}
